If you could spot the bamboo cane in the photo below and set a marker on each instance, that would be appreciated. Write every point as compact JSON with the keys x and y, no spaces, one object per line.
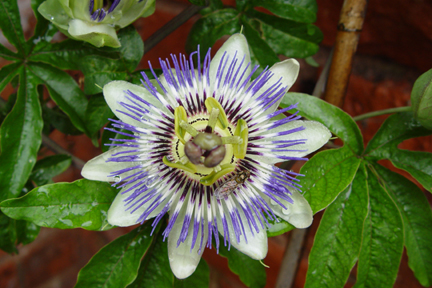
{"x":349,"y":28}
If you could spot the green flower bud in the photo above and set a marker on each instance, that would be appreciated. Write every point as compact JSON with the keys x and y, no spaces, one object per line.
{"x":95,"y":21}
{"x":421,"y":99}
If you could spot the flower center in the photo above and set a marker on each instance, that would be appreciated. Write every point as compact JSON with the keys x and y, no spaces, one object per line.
{"x":100,"y":8}
{"x":206,"y":146}
{"x":105,"y":4}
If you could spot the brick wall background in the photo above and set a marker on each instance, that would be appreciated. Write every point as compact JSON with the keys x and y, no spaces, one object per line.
{"x":395,"y":48}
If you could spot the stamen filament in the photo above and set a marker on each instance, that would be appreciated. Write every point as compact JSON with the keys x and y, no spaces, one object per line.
{"x":189,"y":128}
{"x":213,"y":118}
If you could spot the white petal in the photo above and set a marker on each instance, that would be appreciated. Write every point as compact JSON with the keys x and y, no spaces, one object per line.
{"x":50,"y":10}
{"x":115,"y":92}
{"x":118,"y":216}
{"x":98,"y":35}
{"x":257,"y":244}
{"x":137,"y":9}
{"x":298,"y":214}
{"x":315,"y":133}
{"x":287,"y":71}
{"x":99,"y":169}
{"x":183,"y":260}
{"x":235,"y":44}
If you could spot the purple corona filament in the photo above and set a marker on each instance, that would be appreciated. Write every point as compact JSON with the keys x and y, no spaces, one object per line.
{"x":101,"y":13}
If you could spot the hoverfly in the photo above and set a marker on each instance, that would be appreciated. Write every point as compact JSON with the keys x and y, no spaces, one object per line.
{"x":226,"y":188}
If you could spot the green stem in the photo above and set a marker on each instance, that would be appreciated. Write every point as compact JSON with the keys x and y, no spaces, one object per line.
{"x":172,"y":25}
{"x":382,"y":112}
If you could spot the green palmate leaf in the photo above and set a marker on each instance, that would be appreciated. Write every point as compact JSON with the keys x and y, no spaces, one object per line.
{"x":393,"y":131}
{"x":64,"y":55}
{"x":10,"y":24}
{"x":7,"y":73}
{"x":287,"y":37}
{"x":207,"y":30}
{"x":64,"y":91}
{"x":251,"y":272}
{"x":383,"y":239}
{"x":278,"y":227}
{"x":20,"y":138}
{"x":59,"y":120}
{"x":198,"y":2}
{"x":97,"y":114}
{"x":7,"y":106}
{"x":48,"y":167}
{"x":199,"y":279}
{"x":397,"y":128}
{"x":26,"y":231}
{"x":14,"y":232}
{"x":44,"y":30}
{"x":418,"y":164}
{"x":116,"y":265}
{"x":417,"y":220}
{"x":132,"y":47}
{"x":98,"y":71}
{"x":338,"y":239}
{"x":7,"y":54}
{"x":213,"y":5}
{"x":326,"y":175}
{"x":301,"y":11}
{"x":80,"y":204}
{"x":7,"y":234}
{"x":339,"y":123}
{"x":155,"y":270}
{"x":261,"y":53}
{"x":421,"y":99}
{"x":311,"y":61}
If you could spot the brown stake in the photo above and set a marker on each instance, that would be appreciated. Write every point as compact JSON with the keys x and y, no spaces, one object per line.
{"x":349,"y":28}
{"x":291,"y":259}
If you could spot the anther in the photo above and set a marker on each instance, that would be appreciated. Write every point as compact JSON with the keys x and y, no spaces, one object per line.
{"x":232,"y":140}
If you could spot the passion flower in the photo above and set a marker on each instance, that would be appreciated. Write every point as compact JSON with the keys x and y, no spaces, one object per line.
{"x":209,"y":107}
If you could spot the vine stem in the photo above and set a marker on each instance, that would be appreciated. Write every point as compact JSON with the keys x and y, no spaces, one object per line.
{"x":169,"y":27}
{"x":53,"y":146}
{"x":382,"y":112}
{"x":291,"y":258}
{"x":347,"y":37}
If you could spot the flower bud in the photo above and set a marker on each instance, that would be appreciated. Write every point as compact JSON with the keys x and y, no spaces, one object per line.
{"x":95,"y":21}
{"x":421,"y":99}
